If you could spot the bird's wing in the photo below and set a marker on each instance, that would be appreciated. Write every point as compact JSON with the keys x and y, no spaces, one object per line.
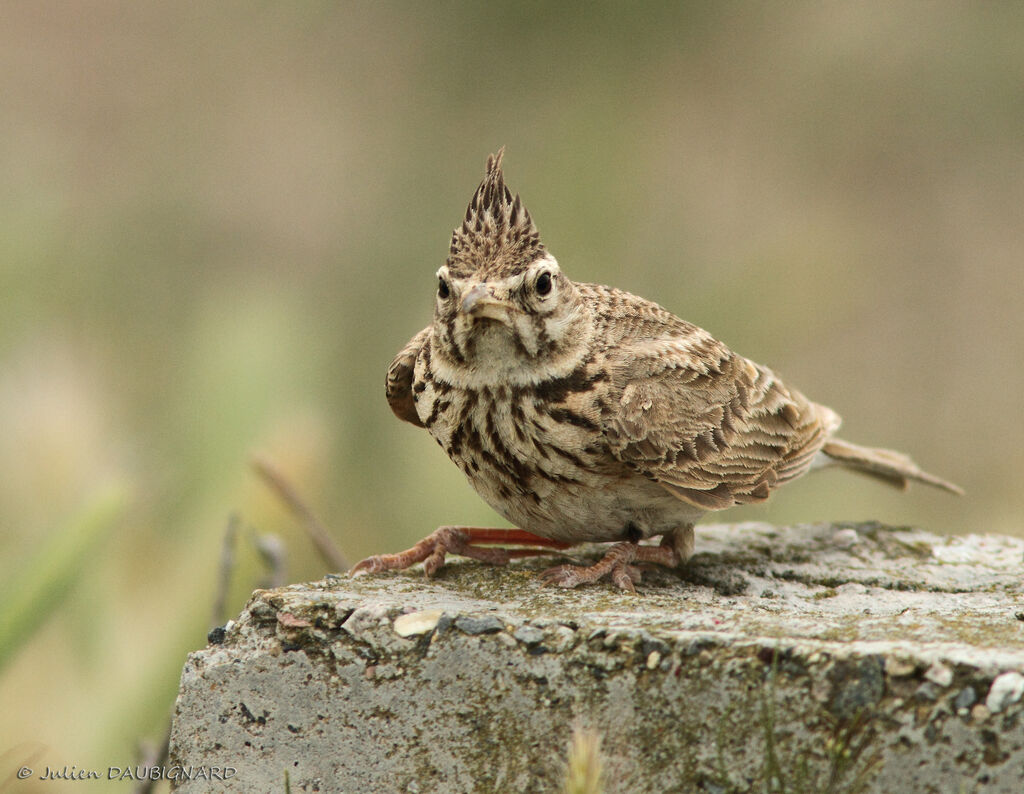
{"x":398,"y":385}
{"x":711,"y":427}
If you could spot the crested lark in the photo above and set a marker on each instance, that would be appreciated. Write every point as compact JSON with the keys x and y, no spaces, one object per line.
{"x":583,"y":413}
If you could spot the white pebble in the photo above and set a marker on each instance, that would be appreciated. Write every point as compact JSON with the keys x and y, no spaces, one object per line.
{"x":417,"y":622}
{"x":1006,"y":690}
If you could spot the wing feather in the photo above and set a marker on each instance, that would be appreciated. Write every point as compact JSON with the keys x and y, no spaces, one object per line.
{"x":398,"y":384}
{"x":711,"y":427}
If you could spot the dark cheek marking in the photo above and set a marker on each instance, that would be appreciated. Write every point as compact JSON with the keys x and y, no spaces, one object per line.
{"x":543,"y":342}
{"x":449,"y":338}
{"x":520,"y":347}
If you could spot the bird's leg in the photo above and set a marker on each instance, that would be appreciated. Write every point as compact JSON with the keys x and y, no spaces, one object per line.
{"x":465,"y":541}
{"x":682,"y":541}
{"x":676,"y":548}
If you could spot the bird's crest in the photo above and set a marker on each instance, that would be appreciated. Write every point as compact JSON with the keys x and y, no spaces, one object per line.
{"x":497,"y":234}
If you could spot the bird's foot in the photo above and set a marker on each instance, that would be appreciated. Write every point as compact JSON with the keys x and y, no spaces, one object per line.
{"x":623,"y":576}
{"x":465,"y":541}
{"x":617,"y":565}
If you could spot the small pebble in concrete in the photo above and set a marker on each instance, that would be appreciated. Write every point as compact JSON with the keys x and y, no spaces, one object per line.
{"x":485,"y":625}
{"x":217,"y":636}
{"x":1006,"y":690}
{"x":966,"y":698}
{"x":939,"y":674}
{"x":364,"y":618}
{"x":562,"y":639}
{"x":895,"y":667}
{"x":528,"y":635}
{"x":417,"y":622}
{"x":980,"y":712}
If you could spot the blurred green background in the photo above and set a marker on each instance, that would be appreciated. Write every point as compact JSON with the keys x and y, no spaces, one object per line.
{"x":219,"y":222}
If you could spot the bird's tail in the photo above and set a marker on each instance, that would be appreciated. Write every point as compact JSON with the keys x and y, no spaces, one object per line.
{"x":894,"y":468}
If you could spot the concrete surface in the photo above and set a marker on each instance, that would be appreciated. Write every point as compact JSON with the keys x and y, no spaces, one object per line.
{"x":820,"y":658}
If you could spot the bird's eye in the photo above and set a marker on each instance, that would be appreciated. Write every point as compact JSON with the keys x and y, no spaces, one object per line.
{"x":442,"y":288}
{"x":543,"y":284}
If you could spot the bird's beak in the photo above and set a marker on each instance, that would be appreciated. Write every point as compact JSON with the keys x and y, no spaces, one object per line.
{"x":480,"y":302}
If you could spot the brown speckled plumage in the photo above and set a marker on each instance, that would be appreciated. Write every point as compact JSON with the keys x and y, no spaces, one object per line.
{"x":580,"y":412}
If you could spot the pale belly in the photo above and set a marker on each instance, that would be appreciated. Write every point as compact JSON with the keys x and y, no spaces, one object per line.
{"x":547,"y":472}
{"x":613,"y":509}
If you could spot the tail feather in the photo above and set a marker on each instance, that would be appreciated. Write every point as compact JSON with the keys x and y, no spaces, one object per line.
{"x":894,"y":468}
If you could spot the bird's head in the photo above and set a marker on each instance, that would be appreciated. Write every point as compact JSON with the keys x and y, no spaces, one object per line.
{"x":503,"y":307}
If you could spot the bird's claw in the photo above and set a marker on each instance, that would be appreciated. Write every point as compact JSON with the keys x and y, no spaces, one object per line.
{"x":431,"y":551}
{"x":622,"y":575}
{"x":374,"y":564}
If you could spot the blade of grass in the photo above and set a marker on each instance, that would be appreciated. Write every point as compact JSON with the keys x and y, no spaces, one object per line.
{"x":34,"y":590}
{"x":317,"y":532}
{"x":585,"y":769}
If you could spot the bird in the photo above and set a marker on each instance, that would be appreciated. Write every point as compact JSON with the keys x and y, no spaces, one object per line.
{"x":583,"y":413}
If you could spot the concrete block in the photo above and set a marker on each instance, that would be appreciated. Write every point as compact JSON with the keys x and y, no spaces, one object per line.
{"x":817,"y":658}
